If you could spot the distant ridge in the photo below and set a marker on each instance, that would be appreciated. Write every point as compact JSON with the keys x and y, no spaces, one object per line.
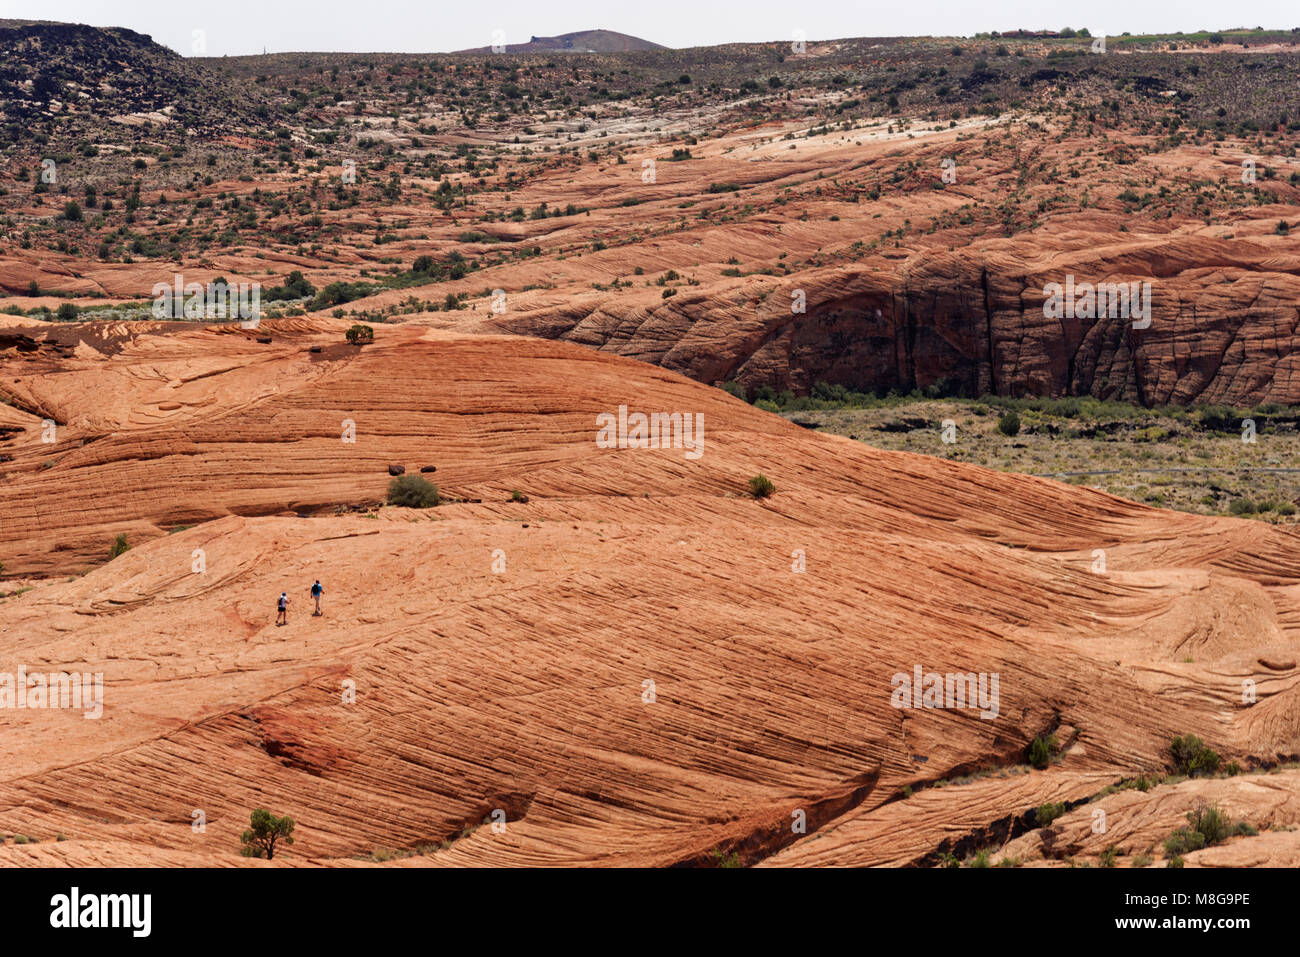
{"x":584,"y":41}
{"x":85,"y":75}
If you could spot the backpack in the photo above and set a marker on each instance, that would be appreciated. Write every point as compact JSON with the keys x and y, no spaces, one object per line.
{"x":281,"y":603}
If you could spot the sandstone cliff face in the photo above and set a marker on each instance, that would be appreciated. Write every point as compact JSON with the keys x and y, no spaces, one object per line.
{"x":1223,"y":316}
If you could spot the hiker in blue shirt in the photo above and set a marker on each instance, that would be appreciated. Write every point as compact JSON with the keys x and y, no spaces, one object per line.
{"x":316,"y":592}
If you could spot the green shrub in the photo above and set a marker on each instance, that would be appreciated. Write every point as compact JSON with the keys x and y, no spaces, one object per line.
{"x":1210,"y":822}
{"x":1009,"y":424}
{"x":760,"y":486}
{"x":1183,"y":841}
{"x":1108,"y":856}
{"x":1049,"y":812}
{"x":1192,"y":758}
{"x":1207,"y":825}
{"x":412,"y":491}
{"x":295,"y":287}
{"x":118,"y":547}
{"x":338,"y":293}
{"x":1039,"y":753}
{"x":360,"y":334}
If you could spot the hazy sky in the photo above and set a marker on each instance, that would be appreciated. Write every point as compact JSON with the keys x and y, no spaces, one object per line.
{"x":246,"y":26}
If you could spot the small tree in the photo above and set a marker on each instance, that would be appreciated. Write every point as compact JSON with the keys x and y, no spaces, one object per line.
{"x":259,"y":840}
{"x":412,"y":491}
{"x":1009,"y":424}
{"x":119,"y":546}
{"x":360,"y":334}
{"x":1040,"y":751}
{"x":72,"y":211}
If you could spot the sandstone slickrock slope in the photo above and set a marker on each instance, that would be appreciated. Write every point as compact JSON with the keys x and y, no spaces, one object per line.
{"x":628,"y":665}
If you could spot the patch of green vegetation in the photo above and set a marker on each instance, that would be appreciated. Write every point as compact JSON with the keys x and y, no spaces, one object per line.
{"x":413,"y":491}
{"x":264,"y":833}
{"x":118,"y":547}
{"x":1047,"y":813}
{"x":1192,"y":758}
{"x":1207,"y":825}
{"x":1040,"y":751}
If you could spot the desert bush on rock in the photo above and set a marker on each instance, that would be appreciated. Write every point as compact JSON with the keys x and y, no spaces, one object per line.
{"x":1040,"y":751}
{"x":1192,"y":757}
{"x":760,"y":486}
{"x":118,"y":547}
{"x":1207,"y":825}
{"x":1047,"y":813}
{"x":360,"y":334}
{"x":411,"y":491}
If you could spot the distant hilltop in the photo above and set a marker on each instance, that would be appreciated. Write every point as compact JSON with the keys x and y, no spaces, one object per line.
{"x":584,"y":41}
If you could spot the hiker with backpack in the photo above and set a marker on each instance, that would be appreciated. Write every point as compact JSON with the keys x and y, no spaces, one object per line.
{"x":282,"y":609}
{"x":316,"y":592}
